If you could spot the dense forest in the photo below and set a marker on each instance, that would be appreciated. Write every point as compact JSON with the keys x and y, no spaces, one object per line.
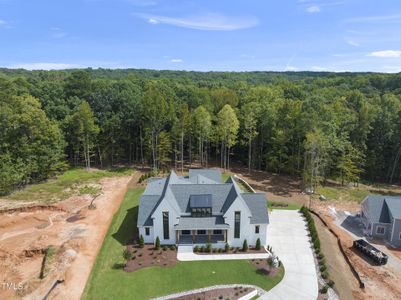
{"x":345,"y":126}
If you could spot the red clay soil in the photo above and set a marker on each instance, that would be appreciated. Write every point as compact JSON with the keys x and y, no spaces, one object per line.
{"x":221,"y":294}
{"x":381,"y":282}
{"x":148,"y":256}
{"x":70,"y":227}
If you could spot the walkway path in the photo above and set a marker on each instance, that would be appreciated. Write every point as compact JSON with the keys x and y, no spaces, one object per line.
{"x":185,"y":253}
{"x":288,"y":236}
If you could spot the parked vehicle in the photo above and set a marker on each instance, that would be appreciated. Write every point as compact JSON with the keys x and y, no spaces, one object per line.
{"x":375,"y":254}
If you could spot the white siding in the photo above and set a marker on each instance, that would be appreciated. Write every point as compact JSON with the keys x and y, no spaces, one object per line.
{"x":247,"y":229}
{"x":149,"y":239}
{"x":164,"y":206}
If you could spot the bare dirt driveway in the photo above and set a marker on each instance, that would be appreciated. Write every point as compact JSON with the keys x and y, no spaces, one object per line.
{"x":71,"y":228}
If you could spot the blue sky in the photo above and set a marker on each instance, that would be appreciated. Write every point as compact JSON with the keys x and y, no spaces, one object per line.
{"x":285,"y":35}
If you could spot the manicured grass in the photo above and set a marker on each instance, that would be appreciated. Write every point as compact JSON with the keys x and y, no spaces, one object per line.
{"x":290,"y":206}
{"x":107,"y":282}
{"x":225,"y":175}
{"x":69,"y":183}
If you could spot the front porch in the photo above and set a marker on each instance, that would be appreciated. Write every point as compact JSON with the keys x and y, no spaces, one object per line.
{"x":201,"y":236}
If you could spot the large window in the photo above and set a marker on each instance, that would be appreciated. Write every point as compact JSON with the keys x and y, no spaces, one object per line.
{"x":185,"y":232}
{"x":166,"y":231}
{"x":380,"y":230}
{"x":237,"y":224}
{"x":201,"y":232}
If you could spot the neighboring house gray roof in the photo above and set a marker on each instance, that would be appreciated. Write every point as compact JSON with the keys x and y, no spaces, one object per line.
{"x":258,"y":205}
{"x":381,"y":208}
{"x":179,"y":191}
{"x":213,"y":174}
{"x":187,"y":223}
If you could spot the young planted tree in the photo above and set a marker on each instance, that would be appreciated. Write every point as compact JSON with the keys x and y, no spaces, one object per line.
{"x":245,"y":246}
{"x":141,"y":241}
{"x":227,"y":127}
{"x":257,"y":246}
{"x":157,"y":243}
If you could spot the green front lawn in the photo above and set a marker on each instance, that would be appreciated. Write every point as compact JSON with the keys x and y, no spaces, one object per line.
{"x":107,"y":282}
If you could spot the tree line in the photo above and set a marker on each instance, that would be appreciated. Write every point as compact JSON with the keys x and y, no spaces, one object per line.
{"x":314,"y":125}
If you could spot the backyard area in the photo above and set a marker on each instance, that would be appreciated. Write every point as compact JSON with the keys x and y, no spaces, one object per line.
{"x":109,"y":280}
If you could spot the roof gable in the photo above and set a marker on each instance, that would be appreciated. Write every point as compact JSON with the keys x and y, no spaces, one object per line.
{"x":212,"y":174}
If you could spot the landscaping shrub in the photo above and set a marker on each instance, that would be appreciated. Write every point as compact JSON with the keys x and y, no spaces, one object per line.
{"x":330,"y":283}
{"x":172,"y":248}
{"x":127,"y":254}
{"x":208,"y":247}
{"x":322,"y":262}
{"x":323,"y":268}
{"x":157,"y":243}
{"x":257,"y":247}
{"x":164,"y":248}
{"x":270,"y":261}
{"x":214,"y":250}
{"x":320,"y":256}
{"x":202,"y":249}
{"x":220,"y":250}
{"x":245,"y":246}
{"x":324,"y":289}
{"x":196,"y":249}
{"x":325,"y":275}
{"x":141,"y":241}
{"x":226,"y":247}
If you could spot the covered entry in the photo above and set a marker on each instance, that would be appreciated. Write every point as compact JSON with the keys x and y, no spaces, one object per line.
{"x":201,"y":230}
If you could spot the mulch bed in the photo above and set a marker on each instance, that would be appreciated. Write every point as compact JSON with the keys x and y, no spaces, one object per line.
{"x":220,"y":294}
{"x":263,"y":267}
{"x":234,"y":251}
{"x":148,"y":256}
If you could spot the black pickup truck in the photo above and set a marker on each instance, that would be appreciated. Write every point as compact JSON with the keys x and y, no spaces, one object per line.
{"x":375,"y":254}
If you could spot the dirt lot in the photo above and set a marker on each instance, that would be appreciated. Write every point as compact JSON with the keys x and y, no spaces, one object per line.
{"x":75,"y":231}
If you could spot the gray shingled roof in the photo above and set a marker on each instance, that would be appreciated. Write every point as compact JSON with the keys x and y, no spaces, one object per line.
{"x":258,"y":206}
{"x":146,"y":206}
{"x":200,"y":200}
{"x":187,"y":223}
{"x":213,"y":174}
{"x":380,"y":207}
{"x":219,"y":194}
{"x":178,"y":191}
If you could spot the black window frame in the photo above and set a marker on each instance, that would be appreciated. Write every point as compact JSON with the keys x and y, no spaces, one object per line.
{"x":185,"y":232}
{"x":237,"y":224}
{"x":166,"y":225}
{"x":257,"y":229}
{"x":217,"y":231}
{"x":147,"y":231}
{"x":201,"y":230}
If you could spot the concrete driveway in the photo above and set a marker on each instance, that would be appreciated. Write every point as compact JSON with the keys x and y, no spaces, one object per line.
{"x":288,"y":236}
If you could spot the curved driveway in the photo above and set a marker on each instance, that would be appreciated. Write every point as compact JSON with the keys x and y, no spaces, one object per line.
{"x":288,"y":236}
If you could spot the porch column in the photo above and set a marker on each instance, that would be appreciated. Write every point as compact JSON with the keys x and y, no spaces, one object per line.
{"x":225,"y":235}
{"x":209,"y":238}
{"x":193,"y":236}
{"x":177,"y":236}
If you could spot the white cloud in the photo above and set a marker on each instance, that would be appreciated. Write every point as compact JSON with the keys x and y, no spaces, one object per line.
{"x":291,"y":68}
{"x":176,"y":60}
{"x":204,"y":22}
{"x":153,"y":21}
{"x":386,"y":54}
{"x":44,"y":66}
{"x":313,"y":9}
{"x":2,"y":22}
{"x":353,"y":43}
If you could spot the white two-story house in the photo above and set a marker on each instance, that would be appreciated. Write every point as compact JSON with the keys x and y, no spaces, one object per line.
{"x":200,"y":209}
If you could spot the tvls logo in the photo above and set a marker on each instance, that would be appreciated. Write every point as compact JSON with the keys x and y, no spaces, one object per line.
{"x":12,"y":286}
